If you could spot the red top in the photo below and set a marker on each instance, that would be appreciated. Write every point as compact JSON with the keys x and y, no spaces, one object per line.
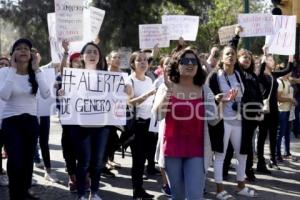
{"x":184,"y":128}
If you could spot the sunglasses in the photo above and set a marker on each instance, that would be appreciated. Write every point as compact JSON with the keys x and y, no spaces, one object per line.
{"x":187,"y":61}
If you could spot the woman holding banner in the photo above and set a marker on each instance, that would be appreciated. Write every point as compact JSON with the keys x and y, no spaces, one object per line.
{"x":90,"y":141}
{"x":140,"y":90}
{"x":19,"y":85}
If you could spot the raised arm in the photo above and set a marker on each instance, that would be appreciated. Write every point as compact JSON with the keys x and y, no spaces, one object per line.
{"x":65,"y":45}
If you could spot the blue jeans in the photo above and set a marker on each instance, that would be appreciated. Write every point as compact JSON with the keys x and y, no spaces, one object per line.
{"x":186,"y":177}
{"x":296,"y":124}
{"x":91,"y":145}
{"x":284,"y":130}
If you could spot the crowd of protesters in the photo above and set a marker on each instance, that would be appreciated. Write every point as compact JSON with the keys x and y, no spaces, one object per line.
{"x":208,"y":108}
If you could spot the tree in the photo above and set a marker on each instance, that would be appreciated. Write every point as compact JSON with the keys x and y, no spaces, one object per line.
{"x":30,"y":17}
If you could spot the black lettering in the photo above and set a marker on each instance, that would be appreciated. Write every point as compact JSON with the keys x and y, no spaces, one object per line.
{"x":82,"y":80}
{"x":65,"y":106}
{"x":121,"y":83}
{"x":106,"y":82}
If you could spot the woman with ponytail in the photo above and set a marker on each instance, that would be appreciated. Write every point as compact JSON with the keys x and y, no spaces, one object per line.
{"x":19,"y":85}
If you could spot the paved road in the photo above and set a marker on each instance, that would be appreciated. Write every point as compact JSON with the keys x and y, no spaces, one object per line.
{"x":283,"y":184}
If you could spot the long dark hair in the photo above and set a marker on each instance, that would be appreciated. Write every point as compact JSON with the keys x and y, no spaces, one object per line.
{"x":199,"y":78}
{"x":102,"y":64}
{"x":32,"y":79}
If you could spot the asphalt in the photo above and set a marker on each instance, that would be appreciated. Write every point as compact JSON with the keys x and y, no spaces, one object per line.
{"x":283,"y":184}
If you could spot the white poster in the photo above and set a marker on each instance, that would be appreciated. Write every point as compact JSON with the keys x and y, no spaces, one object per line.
{"x":96,"y":16}
{"x":226,"y":33}
{"x":69,"y":19}
{"x":154,"y":124}
{"x":256,"y":24}
{"x":181,"y":26}
{"x":47,"y":107}
{"x":152,"y":34}
{"x":93,"y":97}
{"x":92,"y":21}
{"x":125,"y":54}
{"x":283,"y":42}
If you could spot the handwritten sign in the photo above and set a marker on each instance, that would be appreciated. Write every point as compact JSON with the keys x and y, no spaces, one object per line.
{"x":152,"y":34}
{"x":125,"y":54}
{"x":181,"y":26}
{"x":47,"y":107}
{"x":226,"y":34}
{"x":256,"y":24}
{"x":69,"y":19}
{"x":283,"y":42}
{"x":96,"y":16}
{"x":93,"y":97}
{"x":92,"y":21}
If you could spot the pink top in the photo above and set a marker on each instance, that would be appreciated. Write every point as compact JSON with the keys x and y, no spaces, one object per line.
{"x":184,"y":128}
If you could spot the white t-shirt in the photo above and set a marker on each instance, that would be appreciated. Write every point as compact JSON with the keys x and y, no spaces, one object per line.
{"x":143,"y":110}
{"x":15,"y":89}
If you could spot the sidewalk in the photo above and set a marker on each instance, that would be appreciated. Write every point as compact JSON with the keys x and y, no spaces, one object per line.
{"x":284,"y":184}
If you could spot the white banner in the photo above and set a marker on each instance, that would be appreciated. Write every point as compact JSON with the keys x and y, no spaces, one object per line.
{"x":181,"y":26}
{"x":93,"y":97}
{"x":96,"y":16}
{"x":125,"y":54}
{"x":256,"y":24}
{"x":226,"y":33}
{"x":47,"y":107}
{"x":283,"y":42}
{"x":152,"y":34}
{"x":69,"y":19}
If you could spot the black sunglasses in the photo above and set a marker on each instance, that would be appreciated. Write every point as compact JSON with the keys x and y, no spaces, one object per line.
{"x":187,"y":61}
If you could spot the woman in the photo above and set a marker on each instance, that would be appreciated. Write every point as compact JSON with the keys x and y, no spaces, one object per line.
{"x":268,"y":79}
{"x":90,"y":141}
{"x":252,"y":104}
{"x":140,"y":90}
{"x":186,"y":143}
{"x":19,"y":85}
{"x":227,"y":85}
{"x":68,"y":146}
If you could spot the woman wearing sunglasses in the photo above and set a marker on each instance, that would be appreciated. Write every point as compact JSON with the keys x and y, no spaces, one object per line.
{"x":186,"y":144}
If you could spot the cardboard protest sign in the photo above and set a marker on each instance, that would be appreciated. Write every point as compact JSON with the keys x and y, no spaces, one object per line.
{"x":185,"y":26}
{"x":152,"y":34}
{"x":256,"y":24}
{"x":96,"y":16}
{"x":47,"y":107}
{"x":69,"y":19}
{"x":283,"y":42}
{"x":56,"y":48}
{"x":93,"y":97}
{"x":125,"y":54}
{"x":92,"y":21}
{"x":226,"y":33}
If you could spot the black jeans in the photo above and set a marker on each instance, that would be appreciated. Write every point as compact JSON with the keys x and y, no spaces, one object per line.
{"x":44,"y":140}
{"x":20,"y":134}
{"x":1,"y":145}
{"x":139,"y":150}
{"x":113,"y":144}
{"x":268,"y":125}
{"x":69,"y":147}
{"x":90,"y":149}
{"x":151,"y":149}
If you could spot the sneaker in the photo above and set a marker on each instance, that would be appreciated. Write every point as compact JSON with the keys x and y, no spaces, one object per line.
{"x":39,"y":165}
{"x":263,"y":170}
{"x":51,"y":177}
{"x":165,"y":189}
{"x":94,"y":197}
{"x":82,"y":198}
{"x":33,"y":182}
{"x":72,"y":184}
{"x":142,"y":194}
{"x":279,"y":159}
{"x":273,"y":163}
{"x":3,"y":180}
{"x":107,"y":173}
